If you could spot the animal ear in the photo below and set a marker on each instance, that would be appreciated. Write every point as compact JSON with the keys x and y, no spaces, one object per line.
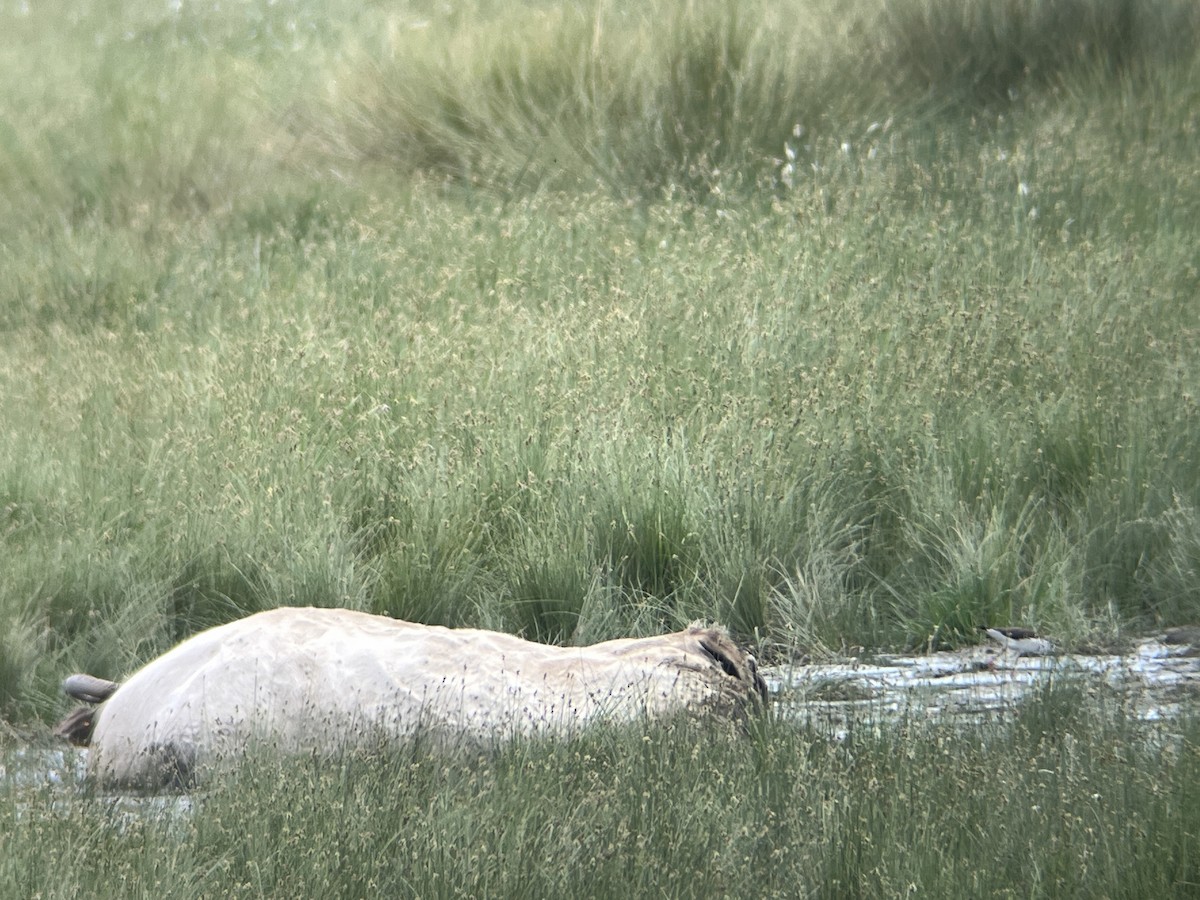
{"x":77,"y":727}
{"x":722,"y":658}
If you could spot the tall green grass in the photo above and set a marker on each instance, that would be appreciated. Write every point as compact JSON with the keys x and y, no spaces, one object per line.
{"x":701,"y":97}
{"x":591,"y":321}
{"x":1066,"y":797}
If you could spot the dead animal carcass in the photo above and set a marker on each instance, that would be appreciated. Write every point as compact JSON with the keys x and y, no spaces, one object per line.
{"x":320,"y":680}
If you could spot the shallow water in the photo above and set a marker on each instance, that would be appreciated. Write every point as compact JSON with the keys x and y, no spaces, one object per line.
{"x":30,"y":767}
{"x":1155,"y":681}
{"x":53,"y":778}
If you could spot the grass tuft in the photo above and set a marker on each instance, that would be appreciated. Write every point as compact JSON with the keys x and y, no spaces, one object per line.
{"x":997,"y":51}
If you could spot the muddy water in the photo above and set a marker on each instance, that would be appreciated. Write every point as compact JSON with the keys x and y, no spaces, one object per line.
{"x":1154,"y":681}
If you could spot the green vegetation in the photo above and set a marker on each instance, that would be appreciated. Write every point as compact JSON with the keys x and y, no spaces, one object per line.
{"x":1064,"y":799}
{"x":592,"y":320}
{"x":841,"y":322}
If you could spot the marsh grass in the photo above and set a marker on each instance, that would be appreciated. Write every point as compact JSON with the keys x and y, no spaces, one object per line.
{"x":579,"y":95}
{"x":1089,"y":802}
{"x":702,"y":97}
{"x":989,"y":52}
{"x":593,"y":321}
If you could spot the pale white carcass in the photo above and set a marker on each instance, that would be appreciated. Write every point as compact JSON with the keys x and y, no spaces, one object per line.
{"x":320,"y":680}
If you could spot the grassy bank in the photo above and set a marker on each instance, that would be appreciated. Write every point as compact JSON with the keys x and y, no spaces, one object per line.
{"x":1066,"y":798}
{"x":586,"y":322}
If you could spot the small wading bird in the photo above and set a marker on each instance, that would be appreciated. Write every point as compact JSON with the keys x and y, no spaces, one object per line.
{"x":1020,"y":641}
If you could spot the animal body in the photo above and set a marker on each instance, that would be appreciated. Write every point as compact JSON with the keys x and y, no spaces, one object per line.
{"x":319,"y":680}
